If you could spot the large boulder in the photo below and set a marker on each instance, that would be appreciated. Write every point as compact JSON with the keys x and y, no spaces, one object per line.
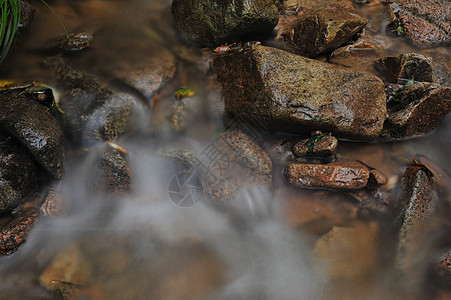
{"x":296,"y":94}
{"x":213,"y":22}
{"x":324,"y":29}
{"x":35,"y":128}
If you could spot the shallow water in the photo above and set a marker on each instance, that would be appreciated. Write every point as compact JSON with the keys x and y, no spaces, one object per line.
{"x":260,"y":246}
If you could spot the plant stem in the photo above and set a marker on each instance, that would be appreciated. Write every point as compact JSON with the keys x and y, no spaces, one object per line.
{"x":59,"y":19}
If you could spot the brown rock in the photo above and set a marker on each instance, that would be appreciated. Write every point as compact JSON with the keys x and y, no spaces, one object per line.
{"x":317,"y":145}
{"x":420,"y":108}
{"x":54,"y":204}
{"x":425,"y":22}
{"x":377,"y":178}
{"x":406,"y":66}
{"x":324,"y":29}
{"x":296,"y":94}
{"x":347,"y":175}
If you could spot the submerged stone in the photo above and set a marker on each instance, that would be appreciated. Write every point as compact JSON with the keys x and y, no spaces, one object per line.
{"x":340,"y":175}
{"x":406,"y":66}
{"x":214,"y":22}
{"x":324,"y":29}
{"x":18,"y":174}
{"x":75,"y":42}
{"x":419,"y":109}
{"x":35,"y":128}
{"x":296,"y":94}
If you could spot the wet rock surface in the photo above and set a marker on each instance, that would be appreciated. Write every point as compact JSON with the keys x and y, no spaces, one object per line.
{"x":238,"y":162}
{"x":148,"y":74}
{"x":27,"y":13}
{"x":325,"y":29}
{"x":320,"y":144}
{"x":418,"y":110}
{"x":111,"y":173}
{"x":214,"y":22}
{"x":342,"y":175}
{"x":35,"y":128}
{"x":18,"y":174}
{"x":15,"y":231}
{"x":406,"y":66}
{"x":92,"y":111}
{"x":416,"y":207}
{"x":55,"y":204}
{"x":297,"y":94}
{"x":425,"y":23}
{"x":75,"y":42}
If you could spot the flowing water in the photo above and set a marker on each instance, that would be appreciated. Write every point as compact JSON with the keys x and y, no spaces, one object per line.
{"x":266,"y":244}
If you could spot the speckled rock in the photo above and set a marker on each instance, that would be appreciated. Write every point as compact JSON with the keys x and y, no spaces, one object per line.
{"x":425,"y":22}
{"x":420,"y":108}
{"x":318,"y":145}
{"x":214,"y":22}
{"x":54,"y":205}
{"x":231,"y":162}
{"x":147,"y":74}
{"x":75,"y":42}
{"x":18,"y":174}
{"x":417,"y":203}
{"x":27,"y":13}
{"x":15,"y":231}
{"x":376,"y":179}
{"x":341,"y":175}
{"x":92,"y":111}
{"x":35,"y":128}
{"x":297,"y":94}
{"x":406,"y":66}
{"x":111,"y":173}
{"x":324,"y":29}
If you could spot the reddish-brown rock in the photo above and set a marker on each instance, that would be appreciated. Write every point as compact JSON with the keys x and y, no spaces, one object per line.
{"x":342,"y":175}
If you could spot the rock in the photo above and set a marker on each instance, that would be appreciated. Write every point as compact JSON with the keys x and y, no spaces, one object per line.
{"x":184,"y":113}
{"x":325,"y":29}
{"x":183,"y":159}
{"x":111,"y":173}
{"x":320,"y":144}
{"x":54,"y":205}
{"x":426,"y":23}
{"x":14,"y":233}
{"x":420,"y":108}
{"x":296,"y":94}
{"x":35,"y":128}
{"x":18,"y":175}
{"x":148,"y":74}
{"x":376,"y":179}
{"x":233,"y":161}
{"x":406,"y":66}
{"x":281,"y":150}
{"x":92,"y":111}
{"x":27,"y":13}
{"x":341,"y":175}
{"x":444,"y":265}
{"x":441,"y":71}
{"x":215,"y":22}
{"x":75,"y":42}
{"x":415,"y":209}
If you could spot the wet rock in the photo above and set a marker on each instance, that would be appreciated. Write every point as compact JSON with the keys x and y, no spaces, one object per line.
{"x":297,"y":94}
{"x":419,"y":109}
{"x":14,"y":233}
{"x":26,"y":14}
{"x":18,"y":175}
{"x":444,"y":265}
{"x":75,"y":42}
{"x":341,"y":175}
{"x":416,"y":206}
{"x":324,"y":29}
{"x":92,"y":111}
{"x":406,"y":66}
{"x":320,"y":144}
{"x":214,"y":22}
{"x":281,"y":150}
{"x":231,"y":162}
{"x":54,"y":204}
{"x":65,"y":290}
{"x":184,"y":159}
{"x":426,"y":23}
{"x":111,"y":173}
{"x":377,"y":178}
{"x":441,"y":71}
{"x":148,"y":74}
{"x":35,"y":128}
{"x":184,"y":113}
